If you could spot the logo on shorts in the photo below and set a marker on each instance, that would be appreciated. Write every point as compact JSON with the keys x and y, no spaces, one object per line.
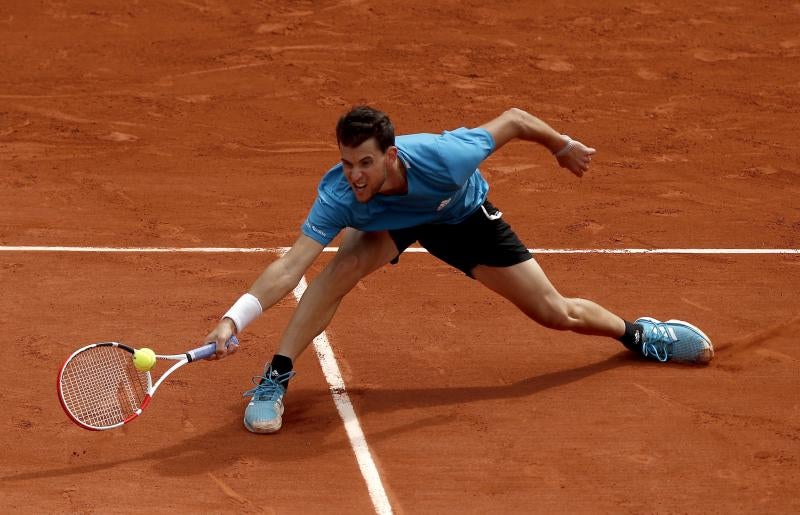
{"x":444,"y":203}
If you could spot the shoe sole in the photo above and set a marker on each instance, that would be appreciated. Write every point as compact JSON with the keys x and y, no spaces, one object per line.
{"x":266,"y":429}
{"x":708,"y":353}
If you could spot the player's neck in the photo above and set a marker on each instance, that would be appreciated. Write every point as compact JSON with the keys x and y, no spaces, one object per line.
{"x":396,"y":179}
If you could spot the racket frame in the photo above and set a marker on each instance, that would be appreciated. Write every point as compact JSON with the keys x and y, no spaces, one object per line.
{"x":202,"y":352}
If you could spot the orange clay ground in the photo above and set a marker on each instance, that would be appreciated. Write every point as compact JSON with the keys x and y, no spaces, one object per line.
{"x":208,"y":123}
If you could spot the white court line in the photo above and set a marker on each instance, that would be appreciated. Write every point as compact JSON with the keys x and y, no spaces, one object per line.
{"x":281,"y":250}
{"x":358,"y":441}
{"x":211,"y":250}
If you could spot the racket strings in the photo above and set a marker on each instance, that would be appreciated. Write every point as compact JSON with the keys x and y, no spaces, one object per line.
{"x":101,"y":387}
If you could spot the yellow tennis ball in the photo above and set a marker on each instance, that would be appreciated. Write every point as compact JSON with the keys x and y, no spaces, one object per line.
{"x":144,"y":359}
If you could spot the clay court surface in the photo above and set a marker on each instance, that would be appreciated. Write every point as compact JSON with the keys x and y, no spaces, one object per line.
{"x":208,"y":123}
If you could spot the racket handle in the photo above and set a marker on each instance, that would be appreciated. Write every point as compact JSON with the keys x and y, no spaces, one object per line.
{"x":208,"y":350}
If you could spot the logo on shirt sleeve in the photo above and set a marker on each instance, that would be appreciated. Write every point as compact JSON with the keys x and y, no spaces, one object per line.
{"x":316,"y":229}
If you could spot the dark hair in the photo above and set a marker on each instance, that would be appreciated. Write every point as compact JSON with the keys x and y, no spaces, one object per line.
{"x":362,"y":123}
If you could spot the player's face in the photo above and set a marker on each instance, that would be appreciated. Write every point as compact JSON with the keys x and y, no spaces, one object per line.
{"x":364,"y":168}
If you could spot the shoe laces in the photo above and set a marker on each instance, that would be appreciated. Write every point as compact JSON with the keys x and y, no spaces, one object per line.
{"x":657,"y":341}
{"x":268,"y":387}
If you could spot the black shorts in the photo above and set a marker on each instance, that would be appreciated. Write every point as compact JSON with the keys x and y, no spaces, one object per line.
{"x":483,"y":238}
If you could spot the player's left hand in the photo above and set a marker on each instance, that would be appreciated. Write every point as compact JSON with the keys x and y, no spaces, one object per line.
{"x":575,"y":156}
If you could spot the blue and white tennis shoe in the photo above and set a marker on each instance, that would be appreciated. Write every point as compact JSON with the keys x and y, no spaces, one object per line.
{"x":263,"y":413}
{"x":674,"y":340}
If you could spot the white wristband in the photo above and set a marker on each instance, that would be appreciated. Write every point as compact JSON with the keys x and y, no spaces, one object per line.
{"x":244,"y":311}
{"x":567,"y":147}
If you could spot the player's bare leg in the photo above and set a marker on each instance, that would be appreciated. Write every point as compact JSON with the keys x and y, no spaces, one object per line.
{"x":528,"y":288}
{"x":360,"y":254}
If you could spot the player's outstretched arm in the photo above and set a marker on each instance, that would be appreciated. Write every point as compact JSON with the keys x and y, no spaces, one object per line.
{"x":518,"y":124}
{"x":278,"y":279}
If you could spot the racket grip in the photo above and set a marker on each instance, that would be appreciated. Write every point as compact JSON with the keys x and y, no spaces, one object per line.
{"x":208,"y":350}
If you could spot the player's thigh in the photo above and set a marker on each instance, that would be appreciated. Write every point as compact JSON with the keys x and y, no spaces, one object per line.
{"x":524,"y":284}
{"x":361,"y":253}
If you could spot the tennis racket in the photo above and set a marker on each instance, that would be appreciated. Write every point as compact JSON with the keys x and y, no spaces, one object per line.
{"x":100,"y":388}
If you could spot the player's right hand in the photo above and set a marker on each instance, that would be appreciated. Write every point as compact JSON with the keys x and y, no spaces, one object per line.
{"x":221,"y":335}
{"x":575,"y":157}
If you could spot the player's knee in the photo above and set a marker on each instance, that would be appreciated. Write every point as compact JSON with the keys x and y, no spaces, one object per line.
{"x":345,"y":268}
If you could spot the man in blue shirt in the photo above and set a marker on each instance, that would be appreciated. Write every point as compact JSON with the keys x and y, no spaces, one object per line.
{"x":386,"y":194}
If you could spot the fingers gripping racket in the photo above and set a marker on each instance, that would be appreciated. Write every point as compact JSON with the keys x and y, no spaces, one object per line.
{"x":100,"y":388}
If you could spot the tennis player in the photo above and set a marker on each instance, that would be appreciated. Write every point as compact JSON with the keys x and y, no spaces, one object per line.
{"x":389,"y":192}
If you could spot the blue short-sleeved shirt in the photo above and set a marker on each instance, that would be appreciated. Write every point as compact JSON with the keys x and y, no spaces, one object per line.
{"x":444,"y":186}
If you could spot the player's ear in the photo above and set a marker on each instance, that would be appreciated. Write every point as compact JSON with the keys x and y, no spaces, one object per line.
{"x":391,"y":153}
